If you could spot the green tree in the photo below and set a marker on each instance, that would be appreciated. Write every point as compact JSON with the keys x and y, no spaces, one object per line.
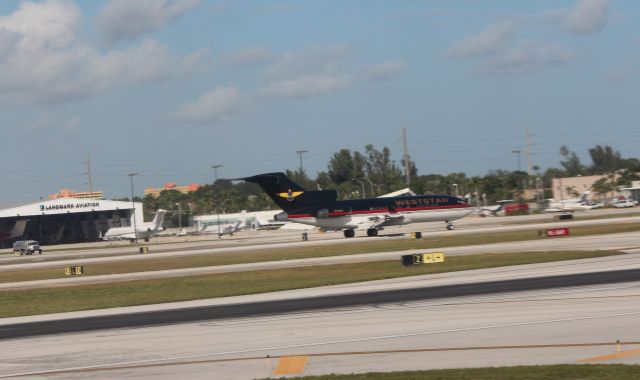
{"x":380,"y":169}
{"x":344,"y":166}
{"x":571,"y":163}
{"x":627,"y":176}
{"x":605,"y":160}
{"x":603,"y":186}
{"x":323,"y":181}
{"x":571,"y":190}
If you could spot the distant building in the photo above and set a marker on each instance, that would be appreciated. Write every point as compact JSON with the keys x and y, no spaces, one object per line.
{"x":154,"y":192}
{"x":634,"y":190}
{"x":565,"y":188}
{"x":66,"y":193}
{"x":66,"y":220}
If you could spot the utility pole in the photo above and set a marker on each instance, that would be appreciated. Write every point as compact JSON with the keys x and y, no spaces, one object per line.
{"x":135,"y":227}
{"x":406,"y":157}
{"x":300,"y":153}
{"x":88,"y":172}
{"x":371,"y":184}
{"x":179,"y":216}
{"x":528,"y":152}
{"x":215,"y":172}
{"x":517,"y":152}
{"x":215,"y":179}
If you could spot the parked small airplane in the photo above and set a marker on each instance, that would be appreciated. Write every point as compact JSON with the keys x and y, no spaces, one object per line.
{"x":16,"y":231}
{"x":492,"y":210}
{"x":225,"y":229}
{"x":321,"y":208}
{"x":569,"y":205}
{"x":142,"y":231}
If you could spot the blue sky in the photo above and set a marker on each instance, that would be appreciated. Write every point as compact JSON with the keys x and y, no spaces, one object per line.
{"x":169,"y":88}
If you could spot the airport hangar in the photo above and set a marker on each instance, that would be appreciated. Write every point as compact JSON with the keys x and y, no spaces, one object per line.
{"x":68,"y":220}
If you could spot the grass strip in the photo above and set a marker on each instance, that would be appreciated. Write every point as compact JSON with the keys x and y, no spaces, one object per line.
{"x":252,"y":256}
{"x":142,"y":292}
{"x":540,"y":372}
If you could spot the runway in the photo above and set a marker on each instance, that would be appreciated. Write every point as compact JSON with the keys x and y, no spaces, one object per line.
{"x":545,"y":326}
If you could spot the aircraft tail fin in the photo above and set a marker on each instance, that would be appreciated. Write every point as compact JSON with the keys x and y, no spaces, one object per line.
{"x":18,"y":228}
{"x":288,"y":195}
{"x":583,"y":198}
{"x":158,"y":219}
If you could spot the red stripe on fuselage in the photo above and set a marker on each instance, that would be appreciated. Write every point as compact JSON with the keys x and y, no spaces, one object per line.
{"x":293,"y":216}
{"x":380,"y":211}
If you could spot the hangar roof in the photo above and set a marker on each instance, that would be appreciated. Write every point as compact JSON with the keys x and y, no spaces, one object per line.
{"x":65,"y":206}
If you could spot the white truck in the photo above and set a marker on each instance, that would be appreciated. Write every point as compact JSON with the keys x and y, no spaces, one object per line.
{"x":26,"y":247}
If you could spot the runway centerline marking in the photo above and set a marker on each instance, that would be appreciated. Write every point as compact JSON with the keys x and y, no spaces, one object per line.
{"x":617,"y":355}
{"x":291,"y":365}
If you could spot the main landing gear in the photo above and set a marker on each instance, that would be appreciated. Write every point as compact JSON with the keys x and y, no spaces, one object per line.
{"x":449,"y":225}
{"x":349,"y":233}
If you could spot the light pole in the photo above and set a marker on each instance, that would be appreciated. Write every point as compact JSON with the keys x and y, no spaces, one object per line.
{"x":455,"y":187}
{"x":215,"y":171}
{"x":517,"y":152}
{"x":215,"y":176}
{"x":179,"y":216}
{"x":135,"y":226}
{"x":361,"y":184}
{"x":370,"y":183}
{"x":300,"y":153}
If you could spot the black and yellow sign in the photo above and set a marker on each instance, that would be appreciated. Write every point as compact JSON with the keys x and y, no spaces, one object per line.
{"x":436,"y":257}
{"x":422,"y":258}
{"x":290,"y":195}
{"x":73,"y":271}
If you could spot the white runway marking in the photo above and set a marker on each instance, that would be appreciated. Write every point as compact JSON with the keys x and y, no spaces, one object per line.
{"x":316,"y":344}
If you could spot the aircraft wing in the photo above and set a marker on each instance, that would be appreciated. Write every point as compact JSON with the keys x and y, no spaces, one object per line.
{"x":380,"y":221}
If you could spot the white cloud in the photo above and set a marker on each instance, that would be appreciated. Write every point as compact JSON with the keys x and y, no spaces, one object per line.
{"x":57,"y":121}
{"x":124,"y":19}
{"x":495,"y":39}
{"x":314,"y":60}
{"x":46,"y":25}
{"x":527,"y":57}
{"x":8,"y":43}
{"x":624,"y":74}
{"x":496,"y":54}
{"x":71,"y":125}
{"x":321,"y":69}
{"x":45,"y":63}
{"x":588,"y":16}
{"x":213,"y":106}
{"x":315,"y":70}
{"x":305,"y":86}
{"x":383,"y":71}
{"x":274,"y":8}
{"x":249,"y":56}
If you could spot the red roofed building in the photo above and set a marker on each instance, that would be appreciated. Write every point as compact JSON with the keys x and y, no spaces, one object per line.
{"x":154,"y":192}
{"x":66,"y":193}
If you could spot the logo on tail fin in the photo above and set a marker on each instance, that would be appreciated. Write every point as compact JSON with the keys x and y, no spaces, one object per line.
{"x":290,"y":195}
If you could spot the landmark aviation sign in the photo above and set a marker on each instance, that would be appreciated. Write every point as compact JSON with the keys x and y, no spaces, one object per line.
{"x":69,"y":206}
